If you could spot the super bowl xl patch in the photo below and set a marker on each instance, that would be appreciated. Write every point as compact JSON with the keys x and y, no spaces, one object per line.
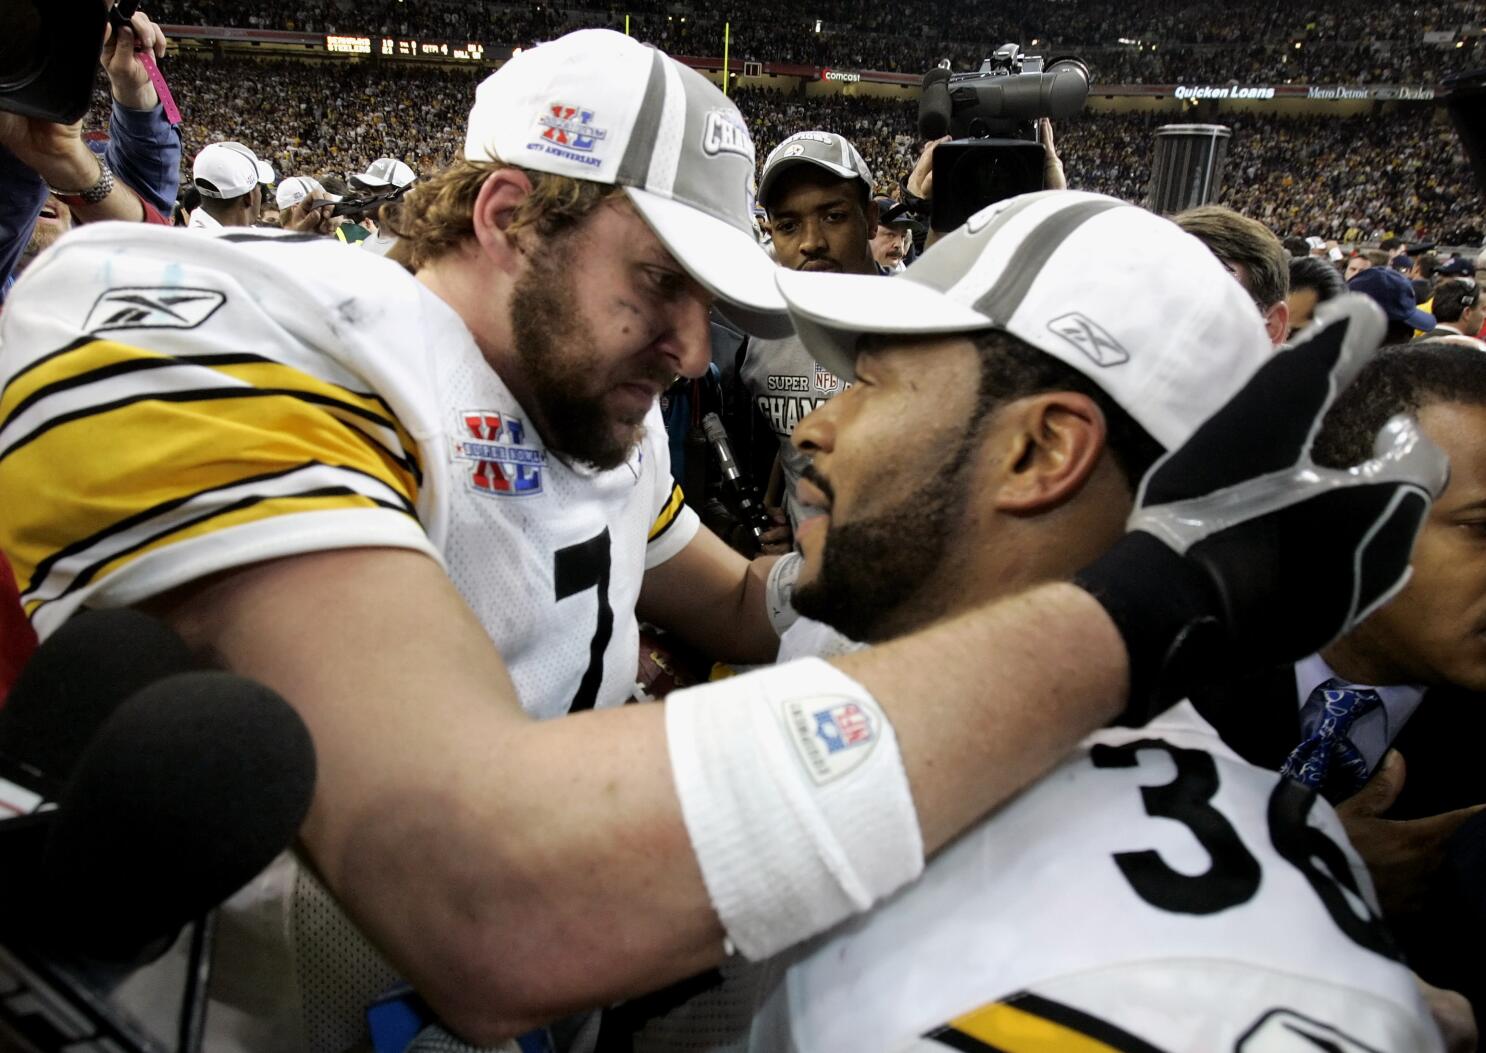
{"x":502,"y":465}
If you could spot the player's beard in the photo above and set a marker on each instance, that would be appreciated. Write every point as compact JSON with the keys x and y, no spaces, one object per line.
{"x":553,"y":345}
{"x":873,"y":571}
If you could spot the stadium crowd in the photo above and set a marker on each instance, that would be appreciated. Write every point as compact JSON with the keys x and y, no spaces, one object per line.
{"x":1155,"y":41}
{"x":1351,"y":179}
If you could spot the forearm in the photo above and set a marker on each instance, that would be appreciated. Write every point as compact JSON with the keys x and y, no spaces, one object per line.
{"x":986,"y":702}
{"x":145,"y":152}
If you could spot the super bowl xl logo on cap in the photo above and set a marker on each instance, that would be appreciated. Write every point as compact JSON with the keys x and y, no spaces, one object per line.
{"x":502,"y":465}
{"x":833,"y":734}
{"x":569,"y":132}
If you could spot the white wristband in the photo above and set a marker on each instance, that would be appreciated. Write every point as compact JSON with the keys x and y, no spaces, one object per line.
{"x":795,"y":798}
{"x":779,"y":591}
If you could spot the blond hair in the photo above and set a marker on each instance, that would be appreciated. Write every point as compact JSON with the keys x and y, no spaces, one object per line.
{"x":437,"y":216}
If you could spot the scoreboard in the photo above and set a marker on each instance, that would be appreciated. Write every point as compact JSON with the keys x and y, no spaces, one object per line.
{"x":411,"y":48}
{"x":407,"y":48}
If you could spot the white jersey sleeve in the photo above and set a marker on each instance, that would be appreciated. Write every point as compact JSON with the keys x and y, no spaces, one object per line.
{"x":176,"y":404}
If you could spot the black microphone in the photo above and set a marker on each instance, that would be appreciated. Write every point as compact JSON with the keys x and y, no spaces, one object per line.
{"x":184,"y":795}
{"x":934,"y":106}
{"x":72,"y":683}
{"x":744,"y":497}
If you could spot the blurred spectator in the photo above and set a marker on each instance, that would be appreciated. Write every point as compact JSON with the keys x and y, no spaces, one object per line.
{"x":1459,"y":312}
{"x":1313,"y":281}
{"x":1253,"y":255}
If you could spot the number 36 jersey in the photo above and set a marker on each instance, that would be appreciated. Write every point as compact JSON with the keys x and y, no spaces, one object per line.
{"x":1152,"y":894}
{"x":177,"y":405}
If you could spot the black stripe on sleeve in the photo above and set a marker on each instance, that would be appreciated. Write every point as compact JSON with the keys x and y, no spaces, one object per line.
{"x":90,"y":572}
{"x":948,"y":1036}
{"x":130,"y":522}
{"x":1083,"y":1023}
{"x":217,"y":394}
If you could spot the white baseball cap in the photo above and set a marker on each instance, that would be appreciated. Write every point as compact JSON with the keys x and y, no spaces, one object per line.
{"x":296,"y":188}
{"x":383,"y":173}
{"x":228,"y":170}
{"x":599,"y":106}
{"x":826,"y":150}
{"x":1167,"y":333}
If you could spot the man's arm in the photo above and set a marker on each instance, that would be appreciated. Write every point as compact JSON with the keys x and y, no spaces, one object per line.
{"x":517,"y":870}
{"x":713,"y":598}
{"x":143,"y":149}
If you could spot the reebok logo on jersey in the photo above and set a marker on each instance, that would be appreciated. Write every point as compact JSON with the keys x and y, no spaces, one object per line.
{"x":1286,"y":1031}
{"x":833,"y":733}
{"x":1090,"y":338}
{"x":153,"y":308}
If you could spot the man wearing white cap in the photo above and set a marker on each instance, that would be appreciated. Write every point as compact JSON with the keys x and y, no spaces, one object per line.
{"x":384,"y":174}
{"x":1153,"y":892}
{"x":304,"y":205}
{"x":229,"y":178}
{"x":428,"y":510}
{"x":817,"y":192}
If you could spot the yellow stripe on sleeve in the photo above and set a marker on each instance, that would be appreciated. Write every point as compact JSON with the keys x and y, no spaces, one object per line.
{"x":668,"y":513}
{"x":1027,"y":1023}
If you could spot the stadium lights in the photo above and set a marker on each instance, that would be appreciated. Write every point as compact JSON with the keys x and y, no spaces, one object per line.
{"x":1297,"y":45}
{"x":817,"y":25}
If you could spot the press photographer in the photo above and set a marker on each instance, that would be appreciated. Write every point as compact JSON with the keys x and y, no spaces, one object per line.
{"x":990,"y":132}
{"x":47,"y":55}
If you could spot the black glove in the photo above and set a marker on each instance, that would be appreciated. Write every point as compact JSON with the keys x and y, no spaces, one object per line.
{"x":1242,"y":553}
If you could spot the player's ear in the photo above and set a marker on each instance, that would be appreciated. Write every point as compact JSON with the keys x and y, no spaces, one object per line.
{"x":495,"y":207}
{"x":1056,"y":440}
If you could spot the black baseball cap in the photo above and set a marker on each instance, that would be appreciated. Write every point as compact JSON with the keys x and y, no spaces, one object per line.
{"x":1394,"y":294}
{"x":49,"y":57}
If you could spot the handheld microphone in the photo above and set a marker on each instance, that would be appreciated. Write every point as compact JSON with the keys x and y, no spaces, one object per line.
{"x":744,"y":497}
{"x":187,"y":792}
{"x":934,"y":106}
{"x":72,"y":683}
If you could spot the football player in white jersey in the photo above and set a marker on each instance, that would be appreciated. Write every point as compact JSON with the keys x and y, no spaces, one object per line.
{"x":349,"y":482}
{"x":1154,"y":892}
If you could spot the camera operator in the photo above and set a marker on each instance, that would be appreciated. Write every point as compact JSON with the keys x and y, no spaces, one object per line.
{"x":305,"y":206}
{"x":919,"y":187}
{"x":138,"y":174}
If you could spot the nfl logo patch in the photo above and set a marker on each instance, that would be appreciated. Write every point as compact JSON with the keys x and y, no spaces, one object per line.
{"x":843,"y":727}
{"x":825,"y":380}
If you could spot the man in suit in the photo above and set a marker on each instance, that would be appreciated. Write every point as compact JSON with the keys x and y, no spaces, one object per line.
{"x":1459,"y":312}
{"x":1419,"y":661}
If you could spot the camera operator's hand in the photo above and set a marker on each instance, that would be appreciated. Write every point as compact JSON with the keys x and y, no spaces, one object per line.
{"x":127,"y":75}
{"x":1053,"y":177}
{"x":310,"y":216}
{"x":56,"y":152}
{"x":921,"y":179}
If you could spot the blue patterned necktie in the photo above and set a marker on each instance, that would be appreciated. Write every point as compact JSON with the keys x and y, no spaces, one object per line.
{"x":1327,"y":761}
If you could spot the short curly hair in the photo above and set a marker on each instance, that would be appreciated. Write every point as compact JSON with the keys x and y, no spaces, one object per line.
{"x":1403,"y":378}
{"x":437,"y":215}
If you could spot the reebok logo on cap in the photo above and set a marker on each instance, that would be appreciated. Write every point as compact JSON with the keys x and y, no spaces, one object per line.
{"x":1089,"y":337}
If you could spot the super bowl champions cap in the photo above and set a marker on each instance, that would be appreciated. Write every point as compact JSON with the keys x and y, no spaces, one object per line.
{"x":826,"y":150}
{"x":383,"y":173}
{"x":228,"y":170}
{"x":1168,"y":334}
{"x":295,"y":189}
{"x":600,"y":106}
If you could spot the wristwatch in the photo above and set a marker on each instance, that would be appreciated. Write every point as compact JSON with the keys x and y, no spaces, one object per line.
{"x":94,"y":194}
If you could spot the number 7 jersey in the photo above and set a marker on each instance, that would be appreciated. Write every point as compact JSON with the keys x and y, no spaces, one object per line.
{"x":174,"y":406}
